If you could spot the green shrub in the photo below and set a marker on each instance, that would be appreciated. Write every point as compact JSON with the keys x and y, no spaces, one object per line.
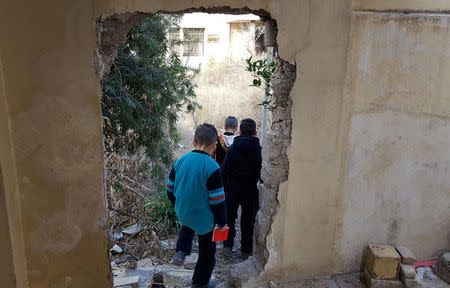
{"x":161,"y":213}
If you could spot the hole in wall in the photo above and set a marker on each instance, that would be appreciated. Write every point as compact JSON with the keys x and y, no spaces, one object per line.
{"x":111,"y":34}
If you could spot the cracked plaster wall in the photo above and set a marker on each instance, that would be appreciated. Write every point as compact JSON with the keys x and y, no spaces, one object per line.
{"x":51,"y":145}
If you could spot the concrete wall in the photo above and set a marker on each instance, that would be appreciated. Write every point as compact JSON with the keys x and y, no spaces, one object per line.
{"x":219,"y":24}
{"x":368,"y":160}
{"x":51,"y":144}
{"x":397,"y":184}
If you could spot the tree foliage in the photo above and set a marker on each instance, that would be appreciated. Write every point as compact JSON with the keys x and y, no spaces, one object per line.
{"x":144,"y":91}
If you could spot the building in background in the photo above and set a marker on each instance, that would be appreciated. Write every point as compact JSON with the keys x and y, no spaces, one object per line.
{"x":217,"y":36}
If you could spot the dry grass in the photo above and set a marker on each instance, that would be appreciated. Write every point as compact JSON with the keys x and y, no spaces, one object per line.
{"x":223,"y":89}
{"x":134,"y":196}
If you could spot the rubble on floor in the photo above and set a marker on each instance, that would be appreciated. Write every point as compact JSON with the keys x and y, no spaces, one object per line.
{"x":232,"y":272}
{"x":165,"y":275}
{"x":126,"y":281}
{"x":386,"y":266}
{"x":443,"y":267}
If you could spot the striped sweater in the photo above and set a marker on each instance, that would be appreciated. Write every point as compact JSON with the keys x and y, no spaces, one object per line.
{"x":195,"y":189}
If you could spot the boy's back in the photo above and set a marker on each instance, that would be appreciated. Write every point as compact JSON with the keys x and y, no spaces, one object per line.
{"x":241,"y":171}
{"x":195,"y":181}
{"x":243,"y":164}
{"x":195,"y":189}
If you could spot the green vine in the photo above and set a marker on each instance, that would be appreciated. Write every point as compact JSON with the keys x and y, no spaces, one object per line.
{"x":262,"y":70}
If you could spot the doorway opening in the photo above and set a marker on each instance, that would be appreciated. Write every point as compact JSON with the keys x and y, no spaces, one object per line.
{"x":142,"y":225}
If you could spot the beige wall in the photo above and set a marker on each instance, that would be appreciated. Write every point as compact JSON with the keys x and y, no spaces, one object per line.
{"x":397,"y":184}
{"x":51,"y":147}
{"x":7,"y":277}
{"x":368,"y":158}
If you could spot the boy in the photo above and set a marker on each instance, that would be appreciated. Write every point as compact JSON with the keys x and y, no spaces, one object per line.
{"x":241,"y":171}
{"x":195,"y":189}
{"x":225,"y":140}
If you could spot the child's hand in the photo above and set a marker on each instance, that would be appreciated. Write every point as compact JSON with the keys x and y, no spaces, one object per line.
{"x":223,"y":228}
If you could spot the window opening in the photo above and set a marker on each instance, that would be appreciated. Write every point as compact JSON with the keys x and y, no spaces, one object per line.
{"x":193,"y":41}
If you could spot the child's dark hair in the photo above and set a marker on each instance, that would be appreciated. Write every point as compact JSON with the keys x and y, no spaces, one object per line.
{"x":205,"y":135}
{"x":231,"y":122}
{"x":248,"y":127}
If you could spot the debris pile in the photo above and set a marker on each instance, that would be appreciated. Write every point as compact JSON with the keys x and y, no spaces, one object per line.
{"x":386,"y":266}
{"x":132,"y":192}
{"x":443,"y":267}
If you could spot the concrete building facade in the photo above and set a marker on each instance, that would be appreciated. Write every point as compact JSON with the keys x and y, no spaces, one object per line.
{"x":217,"y":37}
{"x":367,"y":158}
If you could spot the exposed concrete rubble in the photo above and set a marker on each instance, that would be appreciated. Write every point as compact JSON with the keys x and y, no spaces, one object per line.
{"x":111,"y":33}
{"x":151,"y":274}
{"x":126,"y":282}
{"x":276,"y":163}
{"x":407,"y":271}
{"x":406,"y":255}
{"x":408,"y":276}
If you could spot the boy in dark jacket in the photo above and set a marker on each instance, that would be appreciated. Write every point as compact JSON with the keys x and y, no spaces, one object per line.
{"x":241,"y":171}
{"x":226,"y":139}
{"x":196,"y":191}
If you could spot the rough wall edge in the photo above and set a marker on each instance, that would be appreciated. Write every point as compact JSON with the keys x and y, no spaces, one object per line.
{"x":275,"y":172}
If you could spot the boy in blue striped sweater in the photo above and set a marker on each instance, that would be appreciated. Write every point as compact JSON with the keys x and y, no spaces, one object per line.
{"x":195,"y":189}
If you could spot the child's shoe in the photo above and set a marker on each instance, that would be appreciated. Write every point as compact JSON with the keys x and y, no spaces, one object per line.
{"x":178,"y":258}
{"x":245,"y":255}
{"x":227,"y":251}
{"x":211,"y":284}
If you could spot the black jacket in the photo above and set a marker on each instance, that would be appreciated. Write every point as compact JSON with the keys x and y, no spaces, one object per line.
{"x":241,"y":168}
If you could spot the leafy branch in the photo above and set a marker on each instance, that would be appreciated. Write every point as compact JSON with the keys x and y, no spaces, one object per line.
{"x":262,"y":71}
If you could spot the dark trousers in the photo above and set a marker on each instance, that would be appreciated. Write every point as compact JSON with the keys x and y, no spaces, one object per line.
{"x":206,"y":253}
{"x":249,"y":205}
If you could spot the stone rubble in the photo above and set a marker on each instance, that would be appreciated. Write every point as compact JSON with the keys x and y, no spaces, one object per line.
{"x":382,"y":262}
{"x":407,"y":271}
{"x":126,"y":281}
{"x":443,"y":267}
{"x":406,"y":255}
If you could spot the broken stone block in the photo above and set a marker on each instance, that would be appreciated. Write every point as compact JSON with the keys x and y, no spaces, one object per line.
{"x":410,"y":283}
{"x":378,"y":283}
{"x":178,"y":278}
{"x":382,"y":262}
{"x":407,"y":271}
{"x":443,"y":267}
{"x":147,"y":262}
{"x":126,"y":281}
{"x":406,"y":255}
